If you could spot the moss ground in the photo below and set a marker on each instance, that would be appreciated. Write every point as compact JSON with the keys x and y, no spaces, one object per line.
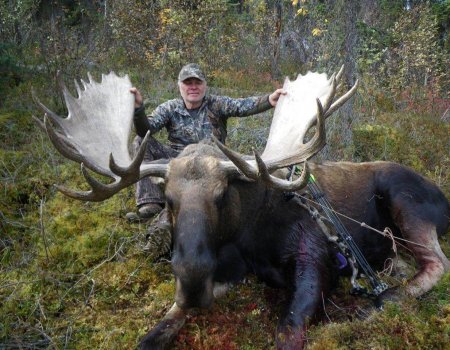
{"x":73,"y":275}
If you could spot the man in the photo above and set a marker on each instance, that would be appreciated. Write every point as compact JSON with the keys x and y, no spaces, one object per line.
{"x":188,"y":120}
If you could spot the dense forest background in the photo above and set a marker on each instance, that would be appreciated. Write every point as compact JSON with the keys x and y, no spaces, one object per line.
{"x":74,"y":275}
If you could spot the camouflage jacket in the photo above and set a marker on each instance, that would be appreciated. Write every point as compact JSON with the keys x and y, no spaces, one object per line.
{"x":186,"y":126}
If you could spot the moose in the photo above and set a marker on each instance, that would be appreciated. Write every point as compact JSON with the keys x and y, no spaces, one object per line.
{"x":229,"y":213}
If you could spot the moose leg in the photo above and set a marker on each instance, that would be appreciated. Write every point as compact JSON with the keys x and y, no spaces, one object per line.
{"x":432,"y":262}
{"x":165,"y":331}
{"x":418,"y":227}
{"x":162,"y":335}
{"x":311,"y":281}
{"x":231,"y":267}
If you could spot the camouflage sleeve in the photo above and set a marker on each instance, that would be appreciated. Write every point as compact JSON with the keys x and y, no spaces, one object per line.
{"x":155,"y":122}
{"x":239,"y":107}
{"x":140,"y":120}
{"x":159,"y":117}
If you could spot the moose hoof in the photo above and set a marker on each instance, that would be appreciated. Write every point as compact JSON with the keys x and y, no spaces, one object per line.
{"x":159,"y":338}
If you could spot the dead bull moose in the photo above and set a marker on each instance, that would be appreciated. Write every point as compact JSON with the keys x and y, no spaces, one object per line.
{"x":229,"y":213}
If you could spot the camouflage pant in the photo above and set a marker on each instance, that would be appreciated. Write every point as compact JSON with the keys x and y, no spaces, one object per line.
{"x":146,"y":190}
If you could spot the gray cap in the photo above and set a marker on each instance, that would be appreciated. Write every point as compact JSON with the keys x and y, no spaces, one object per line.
{"x":191,"y":70}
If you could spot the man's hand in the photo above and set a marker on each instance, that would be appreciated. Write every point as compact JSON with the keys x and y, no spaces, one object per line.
{"x":137,"y":97}
{"x":274,"y":96}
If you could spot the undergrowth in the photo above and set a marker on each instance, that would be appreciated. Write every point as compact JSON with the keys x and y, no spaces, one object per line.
{"x":74,"y":275}
{"x":412,"y":324}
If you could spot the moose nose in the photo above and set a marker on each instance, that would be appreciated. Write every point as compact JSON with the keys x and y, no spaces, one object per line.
{"x":194,"y":294}
{"x":198,"y":265}
{"x":193,"y":270}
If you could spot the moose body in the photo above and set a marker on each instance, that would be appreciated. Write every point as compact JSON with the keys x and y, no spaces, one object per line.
{"x":389,"y":195}
{"x":225,"y":228}
{"x":229,"y":215}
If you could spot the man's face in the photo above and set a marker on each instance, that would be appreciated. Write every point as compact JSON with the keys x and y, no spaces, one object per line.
{"x":192,"y":91}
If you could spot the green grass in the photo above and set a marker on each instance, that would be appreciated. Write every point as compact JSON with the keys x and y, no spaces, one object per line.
{"x":73,"y":274}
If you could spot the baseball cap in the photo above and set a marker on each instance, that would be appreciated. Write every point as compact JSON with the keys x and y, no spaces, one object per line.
{"x":191,"y":70}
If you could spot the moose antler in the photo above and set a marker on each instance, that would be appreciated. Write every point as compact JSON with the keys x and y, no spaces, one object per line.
{"x":309,"y":101}
{"x":99,"y":123}
{"x":97,"y":127}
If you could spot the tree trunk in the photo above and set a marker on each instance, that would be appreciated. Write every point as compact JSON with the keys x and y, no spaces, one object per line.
{"x":278,"y":15}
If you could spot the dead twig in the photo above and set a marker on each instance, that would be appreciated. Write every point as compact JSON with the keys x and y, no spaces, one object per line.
{"x":324,"y":308}
{"x":41,"y":224}
{"x":446,"y":116}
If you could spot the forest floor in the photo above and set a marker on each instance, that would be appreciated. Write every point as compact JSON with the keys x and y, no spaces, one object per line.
{"x":74,"y":275}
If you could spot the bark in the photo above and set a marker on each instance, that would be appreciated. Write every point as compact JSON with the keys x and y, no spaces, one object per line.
{"x":277,"y":8}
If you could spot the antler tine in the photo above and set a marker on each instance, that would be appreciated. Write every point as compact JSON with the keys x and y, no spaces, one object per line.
{"x":53,"y":116}
{"x":101,"y":191}
{"x":91,"y":79}
{"x":278,"y":183}
{"x":77,"y":87}
{"x":128,"y":176}
{"x":85,"y":85}
{"x":339,"y":74}
{"x":63,"y":87}
{"x":38,"y":122}
{"x":155,"y":168}
{"x":98,"y":193}
{"x":60,"y":81}
{"x":344,"y":98}
{"x":246,"y":168}
{"x":62,"y":143}
{"x":83,"y":196}
{"x":97,"y":186}
{"x":330,"y":97}
{"x":136,"y":162}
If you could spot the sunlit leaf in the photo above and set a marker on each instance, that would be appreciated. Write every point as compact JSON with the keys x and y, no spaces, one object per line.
{"x":317,"y":32}
{"x":302,"y":12}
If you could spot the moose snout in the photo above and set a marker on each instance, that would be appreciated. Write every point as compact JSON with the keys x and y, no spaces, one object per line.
{"x":194,"y":283}
{"x":194,"y":259}
{"x":194,"y":278}
{"x":194,"y":293}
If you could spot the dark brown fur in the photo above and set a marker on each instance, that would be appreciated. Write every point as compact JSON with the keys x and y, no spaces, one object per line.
{"x":386,"y":194}
{"x":225,"y":227}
